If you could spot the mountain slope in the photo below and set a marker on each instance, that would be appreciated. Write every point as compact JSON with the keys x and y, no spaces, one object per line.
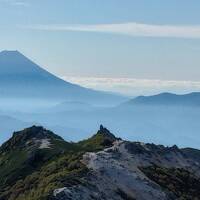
{"x":26,"y":152}
{"x":35,"y":161}
{"x":167,"y":99}
{"x":22,"y":78}
{"x":36,"y":164}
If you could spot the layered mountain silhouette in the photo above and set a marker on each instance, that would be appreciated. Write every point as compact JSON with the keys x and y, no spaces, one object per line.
{"x":191,"y":99}
{"x":22,"y":78}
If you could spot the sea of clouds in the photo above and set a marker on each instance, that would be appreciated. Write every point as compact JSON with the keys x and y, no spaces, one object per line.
{"x":135,"y":87}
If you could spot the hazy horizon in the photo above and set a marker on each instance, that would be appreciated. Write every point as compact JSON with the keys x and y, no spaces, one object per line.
{"x":109,"y":40}
{"x":129,"y":86}
{"x":131,"y":48}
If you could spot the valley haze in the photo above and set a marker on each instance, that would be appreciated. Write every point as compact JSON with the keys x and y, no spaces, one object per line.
{"x":31,"y":95}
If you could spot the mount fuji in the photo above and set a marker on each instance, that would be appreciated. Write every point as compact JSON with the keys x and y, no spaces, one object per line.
{"x":20,"y":78}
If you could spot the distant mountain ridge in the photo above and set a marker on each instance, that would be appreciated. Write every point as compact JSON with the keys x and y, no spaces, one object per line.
{"x":22,"y":78}
{"x":191,"y":99}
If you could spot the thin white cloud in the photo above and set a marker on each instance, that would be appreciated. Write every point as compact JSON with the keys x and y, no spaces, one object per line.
{"x":131,"y":29}
{"x":135,"y":87}
{"x":23,"y":3}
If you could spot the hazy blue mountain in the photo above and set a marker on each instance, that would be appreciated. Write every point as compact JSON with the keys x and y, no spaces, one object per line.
{"x":22,"y":78}
{"x":168,"y":125}
{"x":10,"y":124}
{"x":168,"y":99}
{"x":71,"y":105}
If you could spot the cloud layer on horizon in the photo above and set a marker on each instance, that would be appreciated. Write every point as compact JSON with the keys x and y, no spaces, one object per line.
{"x":135,"y":87}
{"x":133,"y":29}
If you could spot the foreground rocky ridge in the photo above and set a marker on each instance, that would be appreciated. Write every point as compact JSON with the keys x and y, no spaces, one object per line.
{"x":37,"y":164}
{"x":129,"y":170}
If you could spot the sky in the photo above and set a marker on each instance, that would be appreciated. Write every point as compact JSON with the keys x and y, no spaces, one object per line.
{"x":139,"y":42}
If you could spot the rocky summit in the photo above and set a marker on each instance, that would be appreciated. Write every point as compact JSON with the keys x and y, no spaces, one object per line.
{"x":36,"y":164}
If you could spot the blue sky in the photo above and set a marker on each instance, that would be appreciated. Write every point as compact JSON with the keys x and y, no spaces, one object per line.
{"x":139,"y":39}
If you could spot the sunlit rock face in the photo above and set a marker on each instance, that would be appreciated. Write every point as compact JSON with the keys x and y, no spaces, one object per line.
{"x":134,"y":170}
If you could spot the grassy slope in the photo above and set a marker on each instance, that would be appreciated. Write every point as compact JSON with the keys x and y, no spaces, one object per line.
{"x":56,"y":167}
{"x":181,"y":183}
